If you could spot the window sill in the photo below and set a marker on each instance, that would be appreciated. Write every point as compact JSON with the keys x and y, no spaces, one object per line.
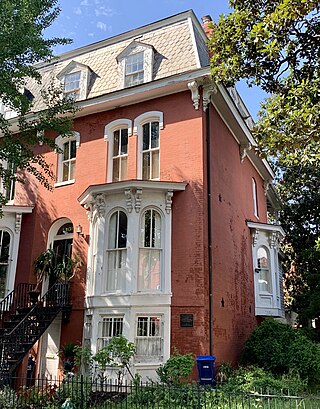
{"x":65,"y":183}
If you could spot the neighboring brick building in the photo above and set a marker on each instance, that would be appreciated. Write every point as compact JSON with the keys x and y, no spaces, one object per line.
{"x":161,"y":194}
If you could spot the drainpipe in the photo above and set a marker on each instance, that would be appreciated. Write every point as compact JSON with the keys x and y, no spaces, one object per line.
{"x":208,"y":152}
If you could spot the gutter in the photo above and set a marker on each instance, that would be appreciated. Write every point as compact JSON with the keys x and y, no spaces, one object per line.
{"x":208,"y":153}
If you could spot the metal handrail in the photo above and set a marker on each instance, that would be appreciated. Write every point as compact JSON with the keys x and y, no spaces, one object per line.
{"x":18,"y":298}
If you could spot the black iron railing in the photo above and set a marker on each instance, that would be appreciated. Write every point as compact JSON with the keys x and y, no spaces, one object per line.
{"x":18,"y":298}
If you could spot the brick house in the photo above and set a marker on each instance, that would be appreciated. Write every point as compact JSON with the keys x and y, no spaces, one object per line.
{"x":160,"y":192}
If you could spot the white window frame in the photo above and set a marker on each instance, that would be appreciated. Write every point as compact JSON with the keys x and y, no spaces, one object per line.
{"x":103,"y":340}
{"x":149,"y":338}
{"x":74,"y":92}
{"x":133,"y":48}
{"x":127,"y":75}
{"x":268,"y":237}
{"x":7,"y":264}
{"x":255,"y":198}
{"x":151,"y":249}
{"x":60,"y":142}
{"x":146,"y":117}
{"x":108,"y":137}
{"x":72,"y":68}
{"x":9,"y":193}
{"x":117,"y":250}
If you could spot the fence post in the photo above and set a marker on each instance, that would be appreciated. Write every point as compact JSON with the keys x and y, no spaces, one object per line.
{"x":199,"y":401}
{"x":81,"y":391}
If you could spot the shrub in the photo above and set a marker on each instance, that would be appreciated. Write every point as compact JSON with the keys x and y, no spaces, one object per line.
{"x":8,"y":397}
{"x":279,"y":348}
{"x":177,"y":369}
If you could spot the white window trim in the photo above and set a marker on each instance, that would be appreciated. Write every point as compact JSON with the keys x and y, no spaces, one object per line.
{"x":109,"y":129}
{"x":255,"y":198}
{"x":136,"y":47}
{"x":5,"y":190}
{"x":84,"y":70}
{"x":151,"y":116}
{"x":150,"y":359}
{"x":60,"y":141}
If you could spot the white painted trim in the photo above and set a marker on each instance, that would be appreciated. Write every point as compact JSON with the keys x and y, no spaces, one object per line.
{"x":65,"y":183}
{"x":17,"y":209}
{"x":60,"y":141}
{"x":194,"y":42}
{"x":266,"y":227}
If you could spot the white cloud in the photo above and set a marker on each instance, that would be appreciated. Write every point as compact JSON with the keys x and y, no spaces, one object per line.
{"x":102,"y":26}
{"x":91,"y":34}
{"x":104,"y":11}
{"x":77,"y":11}
{"x":84,"y":3}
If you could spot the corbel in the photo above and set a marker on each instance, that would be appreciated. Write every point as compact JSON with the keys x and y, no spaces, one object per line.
{"x":195,"y":96}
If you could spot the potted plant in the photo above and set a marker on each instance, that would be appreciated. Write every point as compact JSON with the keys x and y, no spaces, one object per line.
{"x":46,"y":266}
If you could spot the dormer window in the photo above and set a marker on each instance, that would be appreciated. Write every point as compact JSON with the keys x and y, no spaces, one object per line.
{"x":134,"y":73}
{"x":135,"y":64}
{"x":75,"y":78}
{"x":72,"y":85}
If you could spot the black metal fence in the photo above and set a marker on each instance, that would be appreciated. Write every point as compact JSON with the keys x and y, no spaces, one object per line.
{"x":83,"y":393}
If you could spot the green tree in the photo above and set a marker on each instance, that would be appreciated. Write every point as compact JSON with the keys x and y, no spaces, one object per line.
{"x":275,"y":44}
{"x":22,"y":44}
{"x":300,"y":192}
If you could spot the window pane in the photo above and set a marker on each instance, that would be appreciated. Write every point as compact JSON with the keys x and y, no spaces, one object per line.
{"x":123,"y":168}
{"x":116,"y":270}
{"x":124,"y":142}
{"x":73,"y":149}
{"x":146,"y":136}
{"x":65,"y":229}
{"x":72,"y":169}
{"x":146,"y":166}
{"x":5,"y":247}
{"x":155,"y":165}
{"x":142,"y":328}
{"x":122,"y":239}
{"x":149,"y":270}
{"x":116,"y":137}
{"x":115,"y":170}
{"x":66,"y":151}
{"x":147,"y":229}
{"x":264,"y":279}
{"x":3,"y":280}
{"x":65,"y":171}
{"x":154,"y":134}
{"x":112,"y":239}
{"x":154,"y":329}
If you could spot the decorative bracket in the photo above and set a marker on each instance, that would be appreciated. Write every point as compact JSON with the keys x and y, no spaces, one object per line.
{"x":18,"y":222}
{"x":128,"y":195}
{"x":255,"y":237}
{"x":99,"y":204}
{"x":273,"y":239}
{"x":208,"y":90}
{"x":266,"y":184}
{"x":195,"y":96}
{"x":169,"y":195}
{"x":244,"y":148}
{"x":138,"y":199}
{"x":89,"y":209}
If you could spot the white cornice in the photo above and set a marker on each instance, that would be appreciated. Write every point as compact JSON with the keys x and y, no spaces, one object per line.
{"x":17,"y":209}
{"x":266,"y":227}
{"x":119,"y":187}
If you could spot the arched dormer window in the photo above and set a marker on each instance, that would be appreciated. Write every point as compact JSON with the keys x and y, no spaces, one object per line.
{"x":150,"y":251}
{"x":263,"y":269}
{"x":67,"y":152}
{"x":117,"y":252}
{"x":147,"y":126}
{"x":117,"y":133}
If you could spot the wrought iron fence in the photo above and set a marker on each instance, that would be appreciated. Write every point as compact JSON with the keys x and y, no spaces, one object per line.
{"x":83,"y":393}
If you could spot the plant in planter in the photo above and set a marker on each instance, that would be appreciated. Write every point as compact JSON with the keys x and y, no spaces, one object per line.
{"x":46,"y":266}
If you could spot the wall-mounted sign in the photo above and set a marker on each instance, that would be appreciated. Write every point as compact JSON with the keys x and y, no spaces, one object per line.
{"x":186,"y":320}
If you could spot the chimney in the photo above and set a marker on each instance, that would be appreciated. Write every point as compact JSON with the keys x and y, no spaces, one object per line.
{"x":206,"y":23}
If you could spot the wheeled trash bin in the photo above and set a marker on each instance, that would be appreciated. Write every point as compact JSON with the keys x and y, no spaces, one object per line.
{"x":206,"y":369}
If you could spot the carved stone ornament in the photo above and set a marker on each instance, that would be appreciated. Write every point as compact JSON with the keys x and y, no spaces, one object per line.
{"x":169,"y":195}
{"x":273,"y":239}
{"x":266,"y":185}
{"x":244,"y":148}
{"x":208,"y":90}
{"x":99,"y":204}
{"x":89,"y":209}
{"x":18,"y":222}
{"x":255,"y":237}
{"x":195,"y":96}
{"x":138,"y":199}
{"x":129,"y":199}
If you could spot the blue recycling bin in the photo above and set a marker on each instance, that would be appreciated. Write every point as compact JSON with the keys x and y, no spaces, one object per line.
{"x":206,"y":369}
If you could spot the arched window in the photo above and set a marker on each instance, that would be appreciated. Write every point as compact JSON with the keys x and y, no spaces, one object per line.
{"x":263,"y":269}
{"x":147,"y":126}
{"x":117,"y":252}
{"x":150,"y":251}
{"x":4,"y":261}
{"x":255,"y":198}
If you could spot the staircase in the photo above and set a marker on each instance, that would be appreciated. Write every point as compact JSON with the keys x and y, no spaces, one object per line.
{"x":23,"y":321}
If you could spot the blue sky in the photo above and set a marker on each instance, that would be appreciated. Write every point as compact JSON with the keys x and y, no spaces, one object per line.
{"x":88,"y":21}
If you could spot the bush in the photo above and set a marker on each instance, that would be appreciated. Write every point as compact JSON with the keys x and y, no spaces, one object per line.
{"x":177,"y":369}
{"x":279,"y":348}
{"x":8,"y":398}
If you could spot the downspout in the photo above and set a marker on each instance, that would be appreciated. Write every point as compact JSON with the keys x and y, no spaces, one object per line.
{"x":208,"y":153}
